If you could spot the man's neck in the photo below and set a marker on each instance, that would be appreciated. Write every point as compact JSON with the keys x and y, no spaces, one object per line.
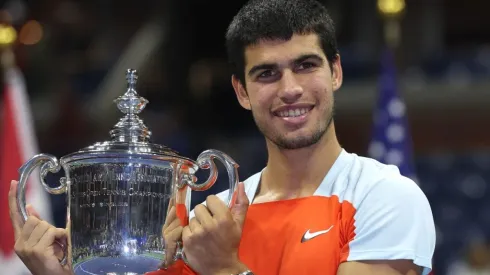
{"x":298,"y":173}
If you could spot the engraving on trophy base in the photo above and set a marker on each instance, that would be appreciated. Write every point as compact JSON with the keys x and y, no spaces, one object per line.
{"x":117,"y":212}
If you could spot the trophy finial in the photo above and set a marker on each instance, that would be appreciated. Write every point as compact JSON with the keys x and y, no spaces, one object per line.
{"x":130,"y":102}
{"x":130,"y":127}
{"x":131,"y":78}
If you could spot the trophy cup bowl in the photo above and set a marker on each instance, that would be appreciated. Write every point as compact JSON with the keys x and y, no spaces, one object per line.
{"x":118,"y":193}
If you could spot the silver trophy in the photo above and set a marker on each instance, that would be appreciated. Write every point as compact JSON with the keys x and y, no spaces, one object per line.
{"x":118,"y":193}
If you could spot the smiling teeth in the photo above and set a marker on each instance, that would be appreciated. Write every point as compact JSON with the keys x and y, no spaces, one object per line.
{"x":293,"y":112}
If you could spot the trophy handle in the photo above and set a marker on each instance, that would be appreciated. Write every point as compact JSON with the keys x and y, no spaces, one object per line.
{"x":48,"y":163}
{"x":206,"y":161}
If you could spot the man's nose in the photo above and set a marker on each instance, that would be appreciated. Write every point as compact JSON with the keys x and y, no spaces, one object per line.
{"x":290,"y":90}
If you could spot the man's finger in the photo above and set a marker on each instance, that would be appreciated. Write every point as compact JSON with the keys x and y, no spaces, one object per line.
{"x":37,"y":233}
{"x":171,"y":216}
{"x":217,"y":207}
{"x":195,"y":226}
{"x":50,"y":236}
{"x":15,"y":216}
{"x":31,"y":211}
{"x":30,"y":225}
{"x":175,"y":234}
{"x":172,"y":226}
{"x":171,"y":204}
{"x":171,"y":243}
{"x":203,"y":215}
{"x":186,"y":233}
{"x":240,"y":208}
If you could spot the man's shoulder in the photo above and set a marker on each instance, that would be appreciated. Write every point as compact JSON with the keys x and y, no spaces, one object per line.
{"x":383,"y":186}
{"x":386,"y":176}
{"x":372,"y":170}
{"x":366,"y":177}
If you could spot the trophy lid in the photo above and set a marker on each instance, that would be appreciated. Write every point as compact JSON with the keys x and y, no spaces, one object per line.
{"x":130,"y":136}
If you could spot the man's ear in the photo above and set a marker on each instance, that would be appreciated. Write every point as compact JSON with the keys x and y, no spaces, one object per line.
{"x":337,"y":75}
{"x":240,"y":92}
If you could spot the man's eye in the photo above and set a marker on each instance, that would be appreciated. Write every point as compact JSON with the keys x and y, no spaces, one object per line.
{"x":267,"y":74}
{"x":306,"y":65}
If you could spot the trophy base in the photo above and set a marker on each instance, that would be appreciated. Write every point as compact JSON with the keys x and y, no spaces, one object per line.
{"x":119,"y":265}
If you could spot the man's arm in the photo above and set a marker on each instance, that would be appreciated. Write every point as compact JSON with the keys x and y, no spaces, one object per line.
{"x":382,"y":267}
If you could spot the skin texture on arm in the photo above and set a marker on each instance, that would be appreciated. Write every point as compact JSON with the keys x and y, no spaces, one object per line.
{"x":387,"y":267}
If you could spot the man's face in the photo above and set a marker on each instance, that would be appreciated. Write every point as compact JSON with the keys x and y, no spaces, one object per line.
{"x":289,"y":90}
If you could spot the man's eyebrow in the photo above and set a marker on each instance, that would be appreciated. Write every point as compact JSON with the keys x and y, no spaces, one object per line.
{"x":304,"y":57}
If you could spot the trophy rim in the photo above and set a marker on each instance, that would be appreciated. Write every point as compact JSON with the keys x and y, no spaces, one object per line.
{"x":129,"y":151}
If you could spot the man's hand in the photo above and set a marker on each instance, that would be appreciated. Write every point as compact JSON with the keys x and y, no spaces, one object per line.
{"x":212,"y":237}
{"x":35,"y":240}
{"x":172,"y":233}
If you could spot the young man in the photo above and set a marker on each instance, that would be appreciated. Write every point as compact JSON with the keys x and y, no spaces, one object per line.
{"x":315,"y":208}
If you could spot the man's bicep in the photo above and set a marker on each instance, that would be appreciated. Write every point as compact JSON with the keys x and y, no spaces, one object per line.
{"x":381,"y":267}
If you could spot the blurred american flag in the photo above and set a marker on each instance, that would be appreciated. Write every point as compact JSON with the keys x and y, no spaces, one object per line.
{"x":391,"y":140}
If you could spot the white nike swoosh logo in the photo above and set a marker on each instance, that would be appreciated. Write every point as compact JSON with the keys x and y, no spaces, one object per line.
{"x":308,"y":235}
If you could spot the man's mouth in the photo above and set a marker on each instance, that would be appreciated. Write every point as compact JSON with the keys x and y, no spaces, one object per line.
{"x":293,"y":111}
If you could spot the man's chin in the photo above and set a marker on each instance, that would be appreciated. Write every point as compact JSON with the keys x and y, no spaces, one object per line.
{"x":292,"y":139}
{"x":294,"y":143}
